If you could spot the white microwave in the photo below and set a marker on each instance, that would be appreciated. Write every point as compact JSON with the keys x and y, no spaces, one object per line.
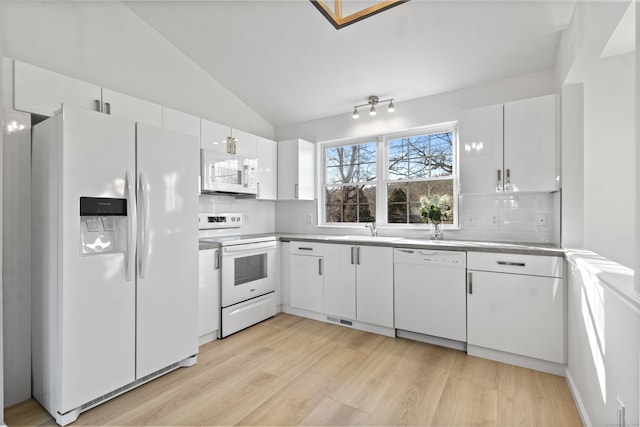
{"x":227,"y":173}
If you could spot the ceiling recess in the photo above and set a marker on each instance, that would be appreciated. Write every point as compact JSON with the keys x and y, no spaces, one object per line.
{"x":334,"y":15}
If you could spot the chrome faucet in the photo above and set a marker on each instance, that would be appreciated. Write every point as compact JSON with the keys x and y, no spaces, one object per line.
{"x":372,"y":228}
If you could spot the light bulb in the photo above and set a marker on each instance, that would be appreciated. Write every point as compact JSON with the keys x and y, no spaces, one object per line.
{"x":372,"y":111}
{"x":355,"y":113}
{"x":391,"y":107}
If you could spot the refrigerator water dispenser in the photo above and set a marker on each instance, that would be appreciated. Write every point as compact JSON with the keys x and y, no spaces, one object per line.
{"x":103,"y":225}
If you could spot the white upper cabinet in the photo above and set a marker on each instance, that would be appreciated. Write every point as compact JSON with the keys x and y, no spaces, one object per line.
{"x":296,"y":164}
{"x":510,"y":147}
{"x":213,"y":136}
{"x":223,"y":139}
{"x":41,"y":91}
{"x":480,"y":149}
{"x":180,"y":122}
{"x":245,"y":143}
{"x":530,"y":130}
{"x":131,"y":108}
{"x":267,"y":151}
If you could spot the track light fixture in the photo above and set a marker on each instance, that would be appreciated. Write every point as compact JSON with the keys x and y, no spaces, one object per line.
{"x":373,"y":101}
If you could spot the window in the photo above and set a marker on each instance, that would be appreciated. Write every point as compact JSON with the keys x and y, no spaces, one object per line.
{"x":381,"y":179}
{"x":350,"y":182}
{"x":419,"y":165}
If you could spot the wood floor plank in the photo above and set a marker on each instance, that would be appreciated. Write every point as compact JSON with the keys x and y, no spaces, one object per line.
{"x":294,"y":371}
{"x":466,"y":404}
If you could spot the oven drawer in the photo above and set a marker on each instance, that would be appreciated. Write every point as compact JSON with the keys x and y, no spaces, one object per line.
{"x":306,"y":248}
{"x":245,"y":314}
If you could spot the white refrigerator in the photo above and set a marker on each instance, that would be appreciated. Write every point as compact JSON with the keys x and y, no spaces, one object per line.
{"x":115,"y":257}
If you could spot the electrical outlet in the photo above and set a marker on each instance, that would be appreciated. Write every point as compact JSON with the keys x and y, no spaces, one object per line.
{"x":495,"y":219}
{"x":541,"y":219}
{"x":309,"y":218}
{"x":621,"y":413}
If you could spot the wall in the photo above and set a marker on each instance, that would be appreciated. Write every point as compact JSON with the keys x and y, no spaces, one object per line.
{"x":599,"y":196}
{"x":609,"y":159}
{"x":573,"y":166}
{"x":516,"y":212}
{"x":107,"y":44}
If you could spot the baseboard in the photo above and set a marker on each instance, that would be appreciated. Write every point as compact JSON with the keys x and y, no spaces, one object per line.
{"x":517,"y":360}
{"x":582,"y":410}
{"x":332,"y":320}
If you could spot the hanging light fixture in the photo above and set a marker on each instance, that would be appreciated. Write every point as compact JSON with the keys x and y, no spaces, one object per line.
{"x":372,"y":102}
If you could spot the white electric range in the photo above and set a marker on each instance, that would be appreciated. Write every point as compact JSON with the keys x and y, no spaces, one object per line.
{"x":247,"y":271}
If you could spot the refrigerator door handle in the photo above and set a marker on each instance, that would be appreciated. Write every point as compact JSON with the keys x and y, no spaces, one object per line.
{"x":144,"y":240}
{"x":132,"y":222}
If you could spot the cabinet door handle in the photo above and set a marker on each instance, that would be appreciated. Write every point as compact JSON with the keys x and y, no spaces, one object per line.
{"x":295,"y":190}
{"x":320,"y":266}
{"x":358,"y":255}
{"x":257,"y":189}
{"x":107,"y":107}
{"x":470,"y":283}
{"x":507,"y":183}
{"x":499,"y":185}
{"x":98,"y":105}
{"x":235,"y":145}
{"x":303,"y":248}
{"x":352,"y":254}
{"x":513,"y":264}
{"x":216,"y":259}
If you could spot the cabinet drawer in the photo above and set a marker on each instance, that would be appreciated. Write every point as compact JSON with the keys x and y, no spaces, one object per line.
{"x":533,"y":265}
{"x":306,"y":248}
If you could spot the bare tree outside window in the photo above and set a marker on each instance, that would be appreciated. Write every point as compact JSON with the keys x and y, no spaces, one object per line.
{"x":419,"y":165}
{"x":350,"y":183}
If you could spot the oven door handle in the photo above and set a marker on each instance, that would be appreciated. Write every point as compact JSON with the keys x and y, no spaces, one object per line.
{"x":249,"y":247}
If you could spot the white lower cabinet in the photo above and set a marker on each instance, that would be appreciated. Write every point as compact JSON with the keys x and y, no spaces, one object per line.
{"x":516,"y":305}
{"x":208,"y":295}
{"x":340,"y":281}
{"x":359,"y":283}
{"x":306,"y":280}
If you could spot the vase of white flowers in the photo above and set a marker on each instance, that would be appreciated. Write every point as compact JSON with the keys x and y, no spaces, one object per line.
{"x":435,"y":209}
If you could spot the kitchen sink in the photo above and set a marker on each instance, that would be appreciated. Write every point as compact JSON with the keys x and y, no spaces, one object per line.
{"x":365,"y":238}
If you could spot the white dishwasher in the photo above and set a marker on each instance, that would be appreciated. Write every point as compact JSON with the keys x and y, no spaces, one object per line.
{"x":430,"y":294}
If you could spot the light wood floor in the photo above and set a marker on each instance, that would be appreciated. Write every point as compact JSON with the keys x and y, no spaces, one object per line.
{"x":294,"y":371}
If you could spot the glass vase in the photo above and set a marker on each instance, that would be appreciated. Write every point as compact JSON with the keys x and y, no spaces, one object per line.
{"x":436,"y":233}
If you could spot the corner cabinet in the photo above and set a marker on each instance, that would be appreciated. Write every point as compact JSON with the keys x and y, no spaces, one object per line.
{"x":510,"y":147}
{"x":359,"y":283}
{"x":267,"y":169}
{"x":296,"y":165}
{"x":515,"y":305}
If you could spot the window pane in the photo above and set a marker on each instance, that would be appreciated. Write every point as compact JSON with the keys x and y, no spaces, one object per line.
{"x":351,"y":163}
{"x":350,"y":203}
{"x":421,"y":156}
{"x":403,"y":203}
{"x":397,"y":203}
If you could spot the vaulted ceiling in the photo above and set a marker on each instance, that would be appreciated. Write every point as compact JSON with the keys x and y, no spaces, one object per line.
{"x":289,"y":64}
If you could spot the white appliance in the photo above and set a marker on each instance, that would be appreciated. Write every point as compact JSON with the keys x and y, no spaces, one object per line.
{"x":115,"y":257}
{"x":227,"y":173}
{"x":430,"y":294}
{"x":247,"y":290}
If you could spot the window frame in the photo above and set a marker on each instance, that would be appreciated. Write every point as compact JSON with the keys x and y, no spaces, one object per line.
{"x":322,"y":169}
{"x":382,"y":176}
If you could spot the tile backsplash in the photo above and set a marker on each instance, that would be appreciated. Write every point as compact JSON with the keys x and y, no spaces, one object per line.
{"x":500,"y":217}
{"x":510,"y":217}
{"x":259,"y":215}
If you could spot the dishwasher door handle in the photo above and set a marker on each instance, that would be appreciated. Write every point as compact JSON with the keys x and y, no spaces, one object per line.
{"x":470,"y":282}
